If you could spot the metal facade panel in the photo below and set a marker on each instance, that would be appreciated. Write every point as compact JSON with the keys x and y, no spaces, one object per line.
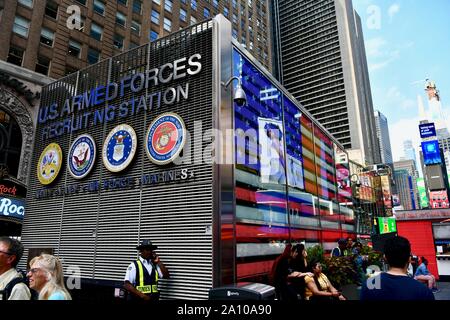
{"x":98,"y":231}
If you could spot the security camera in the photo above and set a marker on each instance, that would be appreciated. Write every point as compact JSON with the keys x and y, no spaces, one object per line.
{"x":239,"y":96}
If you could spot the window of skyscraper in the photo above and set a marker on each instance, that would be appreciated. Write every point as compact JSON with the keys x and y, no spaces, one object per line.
{"x":194,"y":4}
{"x":167,"y":24}
{"x":47,"y":36}
{"x":21,"y":26}
{"x":157,"y":1}
{"x":153,"y":35}
{"x":183,"y":14}
{"x":83,"y":2}
{"x":225,"y":12}
{"x":206,"y":13}
{"x":137,"y":6}
{"x":42,"y":65}
{"x":26,"y":3}
{"x":118,"y":41}
{"x":93,"y":56}
{"x":99,"y":6}
{"x":15,"y":56}
{"x":135,"y":27}
{"x":193,"y":20}
{"x":74,"y":48}
{"x":155,"y":16}
{"x":216,"y":4}
{"x":96,"y":31}
{"x":51,"y":9}
{"x":168,"y":5}
{"x":121,"y":19}
{"x":124,"y":2}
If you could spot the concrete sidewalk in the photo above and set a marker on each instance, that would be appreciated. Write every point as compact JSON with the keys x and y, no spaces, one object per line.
{"x":444,"y":294}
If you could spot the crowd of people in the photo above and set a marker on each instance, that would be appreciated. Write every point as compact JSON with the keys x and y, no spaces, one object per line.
{"x":294,"y":275}
{"x":296,"y":278}
{"x":45,"y":279}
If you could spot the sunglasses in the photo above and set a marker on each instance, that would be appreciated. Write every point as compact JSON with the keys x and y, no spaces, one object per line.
{"x":34,"y":270}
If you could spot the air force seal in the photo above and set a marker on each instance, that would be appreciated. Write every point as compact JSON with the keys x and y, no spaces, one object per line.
{"x":81,"y":157}
{"x":165,"y":138}
{"x":119,"y":148}
{"x":49,"y":164}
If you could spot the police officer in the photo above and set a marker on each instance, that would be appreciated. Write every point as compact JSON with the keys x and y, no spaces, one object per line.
{"x":141,"y":279}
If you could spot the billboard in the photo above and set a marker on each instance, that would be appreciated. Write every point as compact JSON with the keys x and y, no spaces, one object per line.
{"x":439,"y":199}
{"x":387,"y":225}
{"x":342,"y":175}
{"x":431,"y":152}
{"x":422,"y":193}
{"x":12,"y":207}
{"x":271,"y":135}
{"x":427,"y":130}
{"x":435,"y":177}
{"x":386,"y":188}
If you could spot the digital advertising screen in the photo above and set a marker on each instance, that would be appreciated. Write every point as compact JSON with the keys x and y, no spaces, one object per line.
{"x":427,"y":130}
{"x":431,"y":153}
{"x":387,"y":225}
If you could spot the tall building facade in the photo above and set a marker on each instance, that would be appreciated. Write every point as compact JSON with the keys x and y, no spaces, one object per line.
{"x":409,"y":151}
{"x":384,"y":141}
{"x":404,"y":183}
{"x":48,"y":37}
{"x":320,"y":58}
{"x":410,"y":167}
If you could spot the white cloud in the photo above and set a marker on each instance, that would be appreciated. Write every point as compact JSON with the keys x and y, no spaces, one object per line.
{"x":404,"y":129}
{"x":397,"y":99}
{"x":375,"y":46}
{"x":380,"y":65}
{"x":393,"y":10}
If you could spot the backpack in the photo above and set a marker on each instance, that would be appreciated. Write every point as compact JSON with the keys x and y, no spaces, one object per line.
{"x":6,"y":292}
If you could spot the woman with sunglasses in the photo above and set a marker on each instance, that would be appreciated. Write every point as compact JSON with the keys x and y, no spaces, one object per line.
{"x":46,"y":277}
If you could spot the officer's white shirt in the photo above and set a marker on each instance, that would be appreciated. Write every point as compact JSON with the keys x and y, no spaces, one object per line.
{"x":131,"y":271}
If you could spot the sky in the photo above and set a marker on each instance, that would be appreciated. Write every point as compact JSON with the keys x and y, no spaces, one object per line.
{"x":406,"y":42}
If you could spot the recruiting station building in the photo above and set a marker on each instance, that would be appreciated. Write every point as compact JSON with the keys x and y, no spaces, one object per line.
{"x":125,"y":151}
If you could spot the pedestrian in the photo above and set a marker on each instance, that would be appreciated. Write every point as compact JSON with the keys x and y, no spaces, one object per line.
{"x":339,"y":251}
{"x":424,"y":275}
{"x":395,"y":283}
{"x":12,"y":285}
{"x":300,"y":264}
{"x":282,"y":274}
{"x":350,"y":245}
{"x":142,"y":276}
{"x":319,"y":287}
{"x":47,"y":278}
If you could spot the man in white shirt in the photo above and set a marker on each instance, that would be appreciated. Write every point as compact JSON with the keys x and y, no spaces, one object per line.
{"x":142,"y":276}
{"x":11,"y":251}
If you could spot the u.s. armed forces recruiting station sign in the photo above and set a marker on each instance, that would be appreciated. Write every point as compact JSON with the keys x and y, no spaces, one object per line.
{"x":59,"y":120}
{"x":164,"y":140}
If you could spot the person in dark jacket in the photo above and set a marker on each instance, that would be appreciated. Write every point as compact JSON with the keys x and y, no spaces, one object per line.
{"x":283,"y":273}
{"x":395,"y":283}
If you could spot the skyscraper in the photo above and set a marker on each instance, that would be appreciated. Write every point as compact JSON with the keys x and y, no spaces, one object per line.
{"x":410,"y":167}
{"x":321,"y":59}
{"x":409,"y":151}
{"x":42,"y":36}
{"x":384,"y":141}
{"x":404,"y":183}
